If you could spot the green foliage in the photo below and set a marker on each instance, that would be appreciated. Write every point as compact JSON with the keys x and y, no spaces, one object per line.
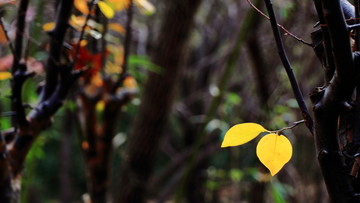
{"x":279,"y":191}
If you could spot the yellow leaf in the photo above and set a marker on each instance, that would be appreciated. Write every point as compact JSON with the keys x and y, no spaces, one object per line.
{"x":77,"y":22}
{"x":274,"y":151}
{"x":111,"y":68}
{"x":5,"y":75}
{"x":106,"y":9}
{"x":82,"y":6}
{"x":48,"y":26}
{"x":119,"y":5}
{"x":100,"y":106}
{"x":83,"y":42}
{"x":241,"y":134}
{"x":130,"y":82}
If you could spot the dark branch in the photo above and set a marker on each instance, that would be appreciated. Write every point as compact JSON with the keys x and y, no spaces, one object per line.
{"x":328,"y":100}
{"x":344,"y":80}
{"x":288,"y":68}
{"x":20,"y":28}
{"x":19,"y":70}
{"x":56,"y":44}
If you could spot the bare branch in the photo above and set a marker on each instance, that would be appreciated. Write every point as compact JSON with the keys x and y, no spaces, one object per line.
{"x":280,"y":26}
{"x":298,"y":95}
{"x":56,"y":44}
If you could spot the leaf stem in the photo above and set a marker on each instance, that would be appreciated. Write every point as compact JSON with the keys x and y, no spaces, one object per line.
{"x":296,"y":123}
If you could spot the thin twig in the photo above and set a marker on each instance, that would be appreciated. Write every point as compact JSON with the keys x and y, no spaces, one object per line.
{"x":92,"y":3}
{"x":288,"y":128}
{"x":280,"y":26}
{"x":127,"y":43}
{"x":354,"y":26}
{"x":288,"y":68}
{"x":8,"y":39}
{"x":19,"y":35}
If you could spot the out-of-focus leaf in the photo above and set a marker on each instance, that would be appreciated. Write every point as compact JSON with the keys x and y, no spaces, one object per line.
{"x":119,"y":5}
{"x":48,"y":26}
{"x":279,"y":191}
{"x":95,"y":34}
{"x":3,"y":39}
{"x":92,"y":62}
{"x":144,"y":62}
{"x":83,"y":42}
{"x":130,"y":83}
{"x":77,"y":22}
{"x":82,"y":6}
{"x":116,"y":27}
{"x":236,"y":174}
{"x":5,"y":75}
{"x":112,"y":68}
{"x":106,"y":9}
{"x":100,"y":106}
{"x":145,"y":7}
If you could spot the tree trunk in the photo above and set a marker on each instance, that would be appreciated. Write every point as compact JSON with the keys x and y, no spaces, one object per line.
{"x":157,"y":100}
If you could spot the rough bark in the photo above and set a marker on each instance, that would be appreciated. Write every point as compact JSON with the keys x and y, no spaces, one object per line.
{"x":332,"y":100}
{"x":26,"y":129}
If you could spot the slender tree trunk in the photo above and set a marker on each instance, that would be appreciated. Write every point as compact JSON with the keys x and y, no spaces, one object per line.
{"x":157,"y":100}
{"x":65,"y":154}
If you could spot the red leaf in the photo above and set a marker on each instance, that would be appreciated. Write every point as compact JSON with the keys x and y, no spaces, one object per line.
{"x":87,"y":60}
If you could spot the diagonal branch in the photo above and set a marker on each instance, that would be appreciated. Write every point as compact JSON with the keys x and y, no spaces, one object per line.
{"x":280,"y":26}
{"x":56,"y":44}
{"x":20,"y":29}
{"x":18,"y":70}
{"x":298,"y":95}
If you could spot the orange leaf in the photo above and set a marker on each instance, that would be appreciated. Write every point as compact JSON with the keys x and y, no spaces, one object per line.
{"x":3,"y":39}
{"x":130,"y":82}
{"x":116,"y":27}
{"x":77,"y":22}
{"x":82,"y":6}
{"x":48,"y":26}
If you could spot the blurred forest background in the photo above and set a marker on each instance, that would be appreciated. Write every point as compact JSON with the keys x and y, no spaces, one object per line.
{"x":229,"y":73}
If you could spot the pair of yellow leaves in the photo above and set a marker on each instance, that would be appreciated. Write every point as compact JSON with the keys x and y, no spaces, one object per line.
{"x":273,"y":150}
